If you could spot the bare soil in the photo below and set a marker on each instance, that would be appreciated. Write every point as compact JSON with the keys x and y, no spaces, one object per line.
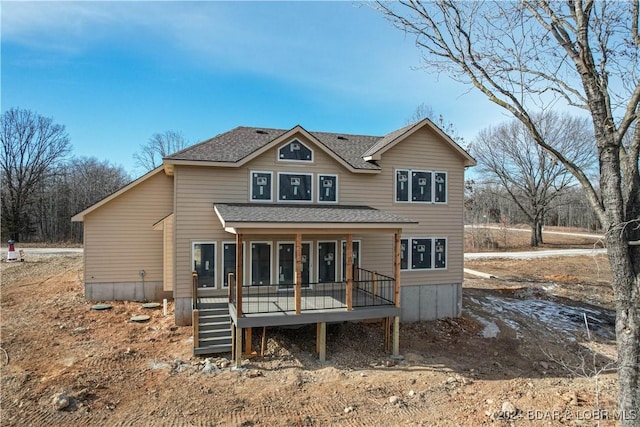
{"x":522,"y":341}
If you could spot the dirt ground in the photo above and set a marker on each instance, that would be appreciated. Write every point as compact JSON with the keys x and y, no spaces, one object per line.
{"x":520,"y":355}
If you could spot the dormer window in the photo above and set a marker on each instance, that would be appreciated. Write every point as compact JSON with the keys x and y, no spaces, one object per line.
{"x":295,"y":151}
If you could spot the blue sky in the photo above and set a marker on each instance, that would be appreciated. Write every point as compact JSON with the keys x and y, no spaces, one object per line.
{"x":114,"y":73}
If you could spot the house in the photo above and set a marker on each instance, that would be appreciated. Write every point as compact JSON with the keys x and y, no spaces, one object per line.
{"x":269,"y":227}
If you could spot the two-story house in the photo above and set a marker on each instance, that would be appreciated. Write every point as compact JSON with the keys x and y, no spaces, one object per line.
{"x":260,"y":227}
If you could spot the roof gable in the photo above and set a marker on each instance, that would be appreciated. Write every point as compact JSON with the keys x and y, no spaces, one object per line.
{"x":242,"y":144}
{"x":357,"y":153}
{"x":80,"y":215}
{"x":392,"y":139}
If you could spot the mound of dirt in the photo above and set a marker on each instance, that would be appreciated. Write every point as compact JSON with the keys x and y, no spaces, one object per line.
{"x":512,"y":357}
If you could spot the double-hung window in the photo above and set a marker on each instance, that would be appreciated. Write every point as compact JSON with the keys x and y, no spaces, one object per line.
{"x":327,"y":188}
{"x":420,"y":186}
{"x":261,"y":184}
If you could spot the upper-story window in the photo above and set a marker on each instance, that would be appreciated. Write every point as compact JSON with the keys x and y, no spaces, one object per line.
{"x":420,"y":186}
{"x":295,"y":187}
{"x":327,"y":188}
{"x":261,"y":183}
{"x":295,"y":151}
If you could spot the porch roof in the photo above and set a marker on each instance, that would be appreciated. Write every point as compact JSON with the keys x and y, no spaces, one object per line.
{"x":256,"y":217}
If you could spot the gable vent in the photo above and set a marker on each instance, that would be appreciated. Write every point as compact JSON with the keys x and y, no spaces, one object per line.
{"x":261,"y":132}
{"x":343,"y":138}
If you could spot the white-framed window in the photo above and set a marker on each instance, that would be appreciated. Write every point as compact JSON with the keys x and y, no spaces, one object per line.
{"x":261,"y":263}
{"x":355,"y":245}
{"x":404,"y":254}
{"x":440,"y":253}
{"x":420,"y":186}
{"x":203,"y":262}
{"x":261,"y":185}
{"x":327,"y":260}
{"x":423,"y":253}
{"x":228,"y":262}
{"x":287,"y":264}
{"x":440,"y":187}
{"x":327,"y":188}
{"x":295,"y":187}
{"x":295,"y":151}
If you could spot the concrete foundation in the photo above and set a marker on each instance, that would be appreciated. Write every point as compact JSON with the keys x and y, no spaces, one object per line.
{"x":127,"y":291}
{"x":183,"y":311}
{"x":429,"y":302}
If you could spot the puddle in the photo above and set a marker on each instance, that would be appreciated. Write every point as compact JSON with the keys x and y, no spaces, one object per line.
{"x":559,"y":317}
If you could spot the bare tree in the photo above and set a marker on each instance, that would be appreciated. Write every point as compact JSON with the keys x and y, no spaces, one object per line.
{"x":530,"y":56}
{"x":425,"y":111}
{"x":159,"y":146}
{"x":32,"y":145}
{"x":76,"y":185}
{"x":531,"y":176}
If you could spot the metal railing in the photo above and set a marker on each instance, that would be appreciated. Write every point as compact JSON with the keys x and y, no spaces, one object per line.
{"x":370,"y":289}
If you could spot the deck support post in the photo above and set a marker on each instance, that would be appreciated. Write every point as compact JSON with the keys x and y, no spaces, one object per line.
{"x":238,"y":350}
{"x":396,"y":276}
{"x":239,"y":278}
{"x":233,"y":341}
{"x":396,"y":336}
{"x":298,"y":277}
{"x":263,"y":344}
{"x":386,"y":328}
{"x":247,"y":341}
{"x":321,"y":341}
{"x":349,"y":272}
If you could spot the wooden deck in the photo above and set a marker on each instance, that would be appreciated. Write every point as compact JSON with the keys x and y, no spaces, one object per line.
{"x":279,"y":308}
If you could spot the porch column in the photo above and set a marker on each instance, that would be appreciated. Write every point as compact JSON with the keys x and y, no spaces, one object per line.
{"x":239,"y":278}
{"x":349,"y":272}
{"x":396,"y":274}
{"x":298,"y":277}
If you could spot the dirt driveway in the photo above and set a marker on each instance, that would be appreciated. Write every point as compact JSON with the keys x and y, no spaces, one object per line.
{"x":520,"y":355}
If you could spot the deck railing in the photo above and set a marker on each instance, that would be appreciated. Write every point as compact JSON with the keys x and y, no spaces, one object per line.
{"x":374,"y":288}
{"x":369,"y":289}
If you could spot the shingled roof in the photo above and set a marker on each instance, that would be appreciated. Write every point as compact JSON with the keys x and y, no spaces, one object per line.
{"x":238,"y":143}
{"x":241,"y":143}
{"x":285,"y":213}
{"x":255,"y":215}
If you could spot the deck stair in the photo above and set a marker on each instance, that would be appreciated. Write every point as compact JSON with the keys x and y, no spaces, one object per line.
{"x":214,"y":326}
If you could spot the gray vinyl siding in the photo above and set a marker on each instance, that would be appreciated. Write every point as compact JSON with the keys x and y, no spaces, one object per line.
{"x":119,"y":240}
{"x":198,"y":188}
